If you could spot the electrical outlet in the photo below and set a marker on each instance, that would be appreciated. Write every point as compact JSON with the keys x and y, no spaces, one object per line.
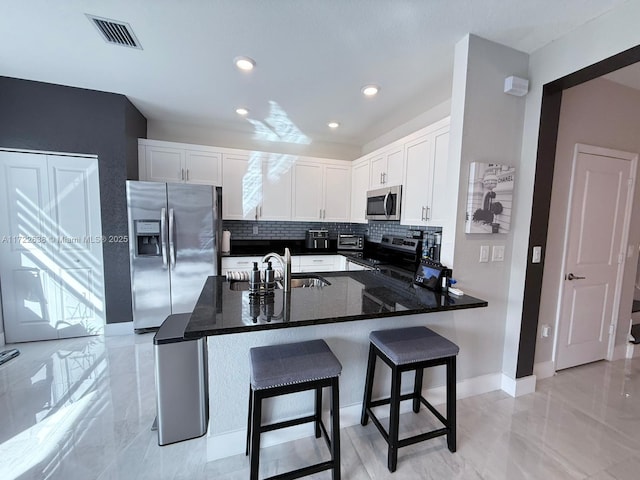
{"x":255,"y":229}
{"x":484,"y":253}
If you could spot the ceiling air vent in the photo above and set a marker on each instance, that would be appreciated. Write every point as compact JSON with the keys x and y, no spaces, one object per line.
{"x":115,"y":32}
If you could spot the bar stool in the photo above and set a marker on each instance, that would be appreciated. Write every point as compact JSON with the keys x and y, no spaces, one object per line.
{"x":289,"y":368}
{"x":408,"y":349}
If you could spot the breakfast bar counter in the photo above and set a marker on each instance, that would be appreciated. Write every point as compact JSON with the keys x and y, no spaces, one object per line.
{"x":341,"y":308}
{"x":223,"y":307}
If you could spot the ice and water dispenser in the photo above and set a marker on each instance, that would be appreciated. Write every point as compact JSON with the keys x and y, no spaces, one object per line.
{"x":148,"y":238}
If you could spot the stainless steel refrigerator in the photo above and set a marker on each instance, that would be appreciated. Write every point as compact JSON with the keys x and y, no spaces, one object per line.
{"x":174,"y":235}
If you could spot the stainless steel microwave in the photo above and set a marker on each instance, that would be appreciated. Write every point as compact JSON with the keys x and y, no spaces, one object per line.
{"x":384,"y":203}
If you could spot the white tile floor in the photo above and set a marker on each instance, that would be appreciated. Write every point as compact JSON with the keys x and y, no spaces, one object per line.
{"x":82,"y":409}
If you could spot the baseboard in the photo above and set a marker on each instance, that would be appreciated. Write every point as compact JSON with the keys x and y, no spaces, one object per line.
{"x":619,"y":352}
{"x":233,"y":443}
{"x":519,"y":386}
{"x":115,"y":329}
{"x":544,"y":370}
{"x":632,"y":351}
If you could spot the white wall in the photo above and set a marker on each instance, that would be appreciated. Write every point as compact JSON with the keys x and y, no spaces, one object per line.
{"x":486,"y":126}
{"x":179,"y":132}
{"x":597,"y":40}
{"x":604,"y":114}
{"x":425,"y":119}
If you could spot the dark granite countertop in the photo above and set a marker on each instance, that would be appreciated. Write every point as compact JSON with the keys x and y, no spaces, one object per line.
{"x":350,"y":296}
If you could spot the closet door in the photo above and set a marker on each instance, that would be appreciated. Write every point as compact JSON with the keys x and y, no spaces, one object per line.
{"x":51,"y":270}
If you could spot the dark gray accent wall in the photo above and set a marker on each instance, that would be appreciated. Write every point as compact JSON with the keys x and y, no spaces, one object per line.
{"x":43,"y":116}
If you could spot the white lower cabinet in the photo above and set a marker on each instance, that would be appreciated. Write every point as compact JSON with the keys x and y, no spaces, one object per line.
{"x":299,"y":264}
{"x":239,"y":264}
{"x":319,"y":263}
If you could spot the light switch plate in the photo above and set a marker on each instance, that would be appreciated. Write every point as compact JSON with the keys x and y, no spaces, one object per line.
{"x":497,"y":254}
{"x":537,"y":254}
{"x":484,"y":253}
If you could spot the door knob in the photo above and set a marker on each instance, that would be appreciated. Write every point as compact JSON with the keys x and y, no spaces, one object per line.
{"x":571,"y":276}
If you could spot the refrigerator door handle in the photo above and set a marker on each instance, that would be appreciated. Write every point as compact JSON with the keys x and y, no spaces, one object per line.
{"x":172,"y":247}
{"x":163,"y":232}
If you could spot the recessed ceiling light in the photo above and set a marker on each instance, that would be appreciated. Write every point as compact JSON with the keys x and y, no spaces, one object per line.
{"x":244,"y":63}
{"x":370,"y":90}
{"x":242,"y":111}
{"x":333,"y":124}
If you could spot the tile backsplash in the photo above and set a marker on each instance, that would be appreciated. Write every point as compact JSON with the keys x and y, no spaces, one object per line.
{"x":373,"y":231}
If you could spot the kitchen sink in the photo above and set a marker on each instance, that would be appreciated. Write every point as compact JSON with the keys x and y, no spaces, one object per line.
{"x":313,"y":281}
{"x":297,"y":281}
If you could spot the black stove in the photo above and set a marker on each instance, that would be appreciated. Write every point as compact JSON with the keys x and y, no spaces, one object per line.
{"x":397,"y":257}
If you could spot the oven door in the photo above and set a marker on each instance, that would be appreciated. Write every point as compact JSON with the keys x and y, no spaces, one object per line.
{"x":384,"y":203}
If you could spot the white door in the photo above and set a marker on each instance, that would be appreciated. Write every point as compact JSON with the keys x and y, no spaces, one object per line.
{"x":599,"y":213}
{"x":52,"y":271}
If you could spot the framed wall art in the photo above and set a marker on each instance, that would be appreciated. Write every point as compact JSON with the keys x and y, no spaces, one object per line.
{"x":490,"y":198}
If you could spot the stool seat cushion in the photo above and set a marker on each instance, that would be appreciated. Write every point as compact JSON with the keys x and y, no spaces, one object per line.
{"x":413,"y":344}
{"x":290,"y":363}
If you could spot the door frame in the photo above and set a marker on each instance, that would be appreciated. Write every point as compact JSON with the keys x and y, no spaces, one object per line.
{"x":605,"y":152}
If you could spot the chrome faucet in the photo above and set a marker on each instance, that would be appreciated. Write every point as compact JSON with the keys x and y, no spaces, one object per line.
{"x":286,"y":266}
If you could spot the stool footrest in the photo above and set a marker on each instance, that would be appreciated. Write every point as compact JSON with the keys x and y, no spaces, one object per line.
{"x":287,"y":423}
{"x":422,"y":437}
{"x":387,"y":401}
{"x":303,"y":472}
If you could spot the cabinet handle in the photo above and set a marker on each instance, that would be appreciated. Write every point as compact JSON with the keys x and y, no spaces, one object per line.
{"x":384,"y":177}
{"x":187,"y":175}
{"x":320,"y":214}
{"x":243,"y":263}
{"x":256,"y":213}
{"x":426,"y":217}
{"x":260,"y":211}
{"x":381,"y":178}
{"x":324,"y":213}
{"x":182,"y":174}
{"x":422,"y":215}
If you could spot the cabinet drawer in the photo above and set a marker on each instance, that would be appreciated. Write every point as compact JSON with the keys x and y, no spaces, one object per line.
{"x":317,"y":260}
{"x":240,"y":263}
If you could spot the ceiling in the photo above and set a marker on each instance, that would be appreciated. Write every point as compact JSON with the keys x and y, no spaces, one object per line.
{"x":312,"y":56}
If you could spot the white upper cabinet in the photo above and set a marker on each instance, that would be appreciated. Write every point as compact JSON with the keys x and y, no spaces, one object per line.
{"x":203,"y":167}
{"x":178,"y":163}
{"x":321,"y":191}
{"x":387,"y":167}
{"x":307,"y":191}
{"x":359,"y":187}
{"x":337,"y":193}
{"x":257,"y":186}
{"x":424,"y":196}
